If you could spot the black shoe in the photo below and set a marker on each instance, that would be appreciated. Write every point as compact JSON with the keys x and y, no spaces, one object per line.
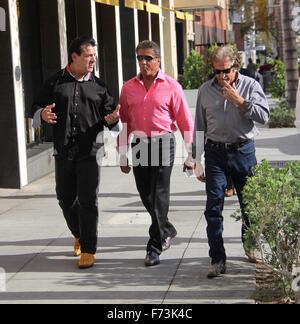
{"x":166,"y":244}
{"x":152,"y":259}
{"x":216,"y":270}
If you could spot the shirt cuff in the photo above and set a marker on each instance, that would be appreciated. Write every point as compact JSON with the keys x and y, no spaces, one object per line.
{"x":116,"y":130}
{"x":37,"y":119}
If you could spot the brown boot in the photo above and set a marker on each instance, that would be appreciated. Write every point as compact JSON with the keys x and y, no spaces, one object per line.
{"x":229,"y":192}
{"x":77,"y":249}
{"x":86,"y":261}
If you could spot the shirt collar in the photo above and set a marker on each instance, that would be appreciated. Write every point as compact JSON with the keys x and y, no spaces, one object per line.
{"x":88,"y":77}
{"x":160,"y":76}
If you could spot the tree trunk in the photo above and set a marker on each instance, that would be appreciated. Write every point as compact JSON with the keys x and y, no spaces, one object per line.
{"x":278,"y":24}
{"x":290,"y":51}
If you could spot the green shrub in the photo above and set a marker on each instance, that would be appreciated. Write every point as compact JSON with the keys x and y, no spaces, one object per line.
{"x":282,"y":116}
{"x":278,"y":84}
{"x":272,"y":198}
{"x":209,"y":67}
{"x":194,"y":72}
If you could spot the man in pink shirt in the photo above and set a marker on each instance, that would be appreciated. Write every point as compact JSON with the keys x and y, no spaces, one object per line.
{"x":151,"y":103}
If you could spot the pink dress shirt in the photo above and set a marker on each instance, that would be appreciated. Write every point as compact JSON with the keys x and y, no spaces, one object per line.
{"x":153,"y":113}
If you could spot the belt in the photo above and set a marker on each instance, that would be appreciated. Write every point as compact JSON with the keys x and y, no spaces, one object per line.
{"x":227,"y":146}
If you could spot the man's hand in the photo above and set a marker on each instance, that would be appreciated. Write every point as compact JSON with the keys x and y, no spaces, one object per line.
{"x":114,"y":117}
{"x":199,"y":171}
{"x":231,"y":93}
{"x":124,"y":164}
{"x":189,"y":164}
{"x":48,"y":116}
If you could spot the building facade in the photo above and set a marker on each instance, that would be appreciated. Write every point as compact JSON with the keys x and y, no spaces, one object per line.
{"x":211,"y":25}
{"x":34,"y":36}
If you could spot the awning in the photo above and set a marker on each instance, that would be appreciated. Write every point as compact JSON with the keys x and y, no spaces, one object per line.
{"x":297,"y":123}
{"x":155,"y":9}
{"x":200,"y":4}
{"x":184,"y":16}
{"x":134,"y":4}
{"x":109,"y":2}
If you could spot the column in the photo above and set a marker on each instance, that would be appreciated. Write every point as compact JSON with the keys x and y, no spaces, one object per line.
{"x":62,"y":33}
{"x":169,"y":39}
{"x":13,"y":160}
{"x":136,"y":34}
{"x":161,"y":36}
{"x":119,"y":47}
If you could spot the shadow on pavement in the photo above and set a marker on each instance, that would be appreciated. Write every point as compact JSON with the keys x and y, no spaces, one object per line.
{"x":289,"y":145}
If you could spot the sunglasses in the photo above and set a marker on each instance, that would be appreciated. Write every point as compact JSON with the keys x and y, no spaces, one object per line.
{"x":226,"y":71}
{"x":147,"y":58}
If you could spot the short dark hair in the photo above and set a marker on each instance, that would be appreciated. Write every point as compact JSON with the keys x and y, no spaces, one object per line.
{"x":77,"y":43}
{"x":149,"y":44}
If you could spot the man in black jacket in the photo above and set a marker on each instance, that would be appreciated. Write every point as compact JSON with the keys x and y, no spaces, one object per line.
{"x":78,"y":105}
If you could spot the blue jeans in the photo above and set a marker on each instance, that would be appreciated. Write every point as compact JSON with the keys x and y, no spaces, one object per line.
{"x":219,"y":164}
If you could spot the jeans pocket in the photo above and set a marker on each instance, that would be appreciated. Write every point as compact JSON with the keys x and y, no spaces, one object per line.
{"x":247,"y":149}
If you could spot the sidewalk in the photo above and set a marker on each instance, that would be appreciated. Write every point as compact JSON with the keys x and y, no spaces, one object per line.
{"x":36,"y":247}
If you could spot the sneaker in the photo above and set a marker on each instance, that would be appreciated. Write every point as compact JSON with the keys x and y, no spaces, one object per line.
{"x":152,"y":259}
{"x":216,"y":270}
{"x":167,"y":242}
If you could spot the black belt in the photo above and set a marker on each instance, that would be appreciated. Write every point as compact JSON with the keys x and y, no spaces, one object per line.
{"x":227,"y":146}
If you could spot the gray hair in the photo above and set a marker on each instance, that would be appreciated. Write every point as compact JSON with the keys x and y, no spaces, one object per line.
{"x":227,"y":51}
{"x":147,"y":44}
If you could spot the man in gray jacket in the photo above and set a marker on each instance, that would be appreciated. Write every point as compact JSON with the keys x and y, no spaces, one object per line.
{"x":228,"y":107}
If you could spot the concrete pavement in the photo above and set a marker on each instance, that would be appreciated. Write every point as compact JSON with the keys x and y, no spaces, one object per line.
{"x":36,"y":247}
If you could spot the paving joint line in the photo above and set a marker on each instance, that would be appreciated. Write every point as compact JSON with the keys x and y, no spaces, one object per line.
{"x":181,"y":260}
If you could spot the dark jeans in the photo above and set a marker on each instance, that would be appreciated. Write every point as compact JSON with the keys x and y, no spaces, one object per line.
{"x":77,"y":184}
{"x":219,"y":163}
{"x":153,"y":185}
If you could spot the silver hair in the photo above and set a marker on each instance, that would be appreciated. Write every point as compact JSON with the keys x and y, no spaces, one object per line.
{"x":227,"y":51}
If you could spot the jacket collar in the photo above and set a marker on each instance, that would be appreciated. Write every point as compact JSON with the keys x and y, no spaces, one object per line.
{"x":88,"y":77}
